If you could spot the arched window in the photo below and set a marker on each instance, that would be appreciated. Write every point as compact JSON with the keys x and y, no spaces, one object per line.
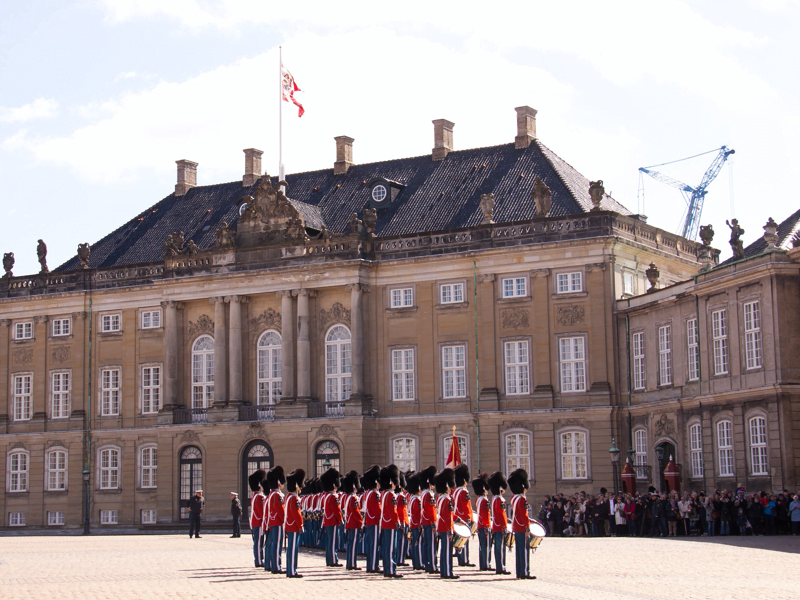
{"x":191,"y":479}
{"x":18,"y":471}
{"x":269,"y":368}
{"x":257,"y":455}
{"x":696,"y":449}
{"x":203,"y":372}
{"x":574,"y":460}
{"x":725,"y":448}
{"x":327,"y":456}
{"x":758,"y":446}
{"x":404,"y":452}
{"x":109,"y":469}
{"x":640,"y":453}
{"x":518,"y":451}
{"x":56,"y":464}
{"x":337,"y":364}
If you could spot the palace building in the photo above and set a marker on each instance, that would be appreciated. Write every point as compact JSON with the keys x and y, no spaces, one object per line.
{"x":356,"y":314}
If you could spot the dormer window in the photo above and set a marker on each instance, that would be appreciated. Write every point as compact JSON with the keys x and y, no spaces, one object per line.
{"x":382,"y":192}
{"x":379,"y":193}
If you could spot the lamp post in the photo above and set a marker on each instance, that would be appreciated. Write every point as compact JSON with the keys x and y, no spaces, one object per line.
{"x":660,"y":455}
{"x":86,"y":500}
{"x":614,"y":452}
{"x":326,"y":464}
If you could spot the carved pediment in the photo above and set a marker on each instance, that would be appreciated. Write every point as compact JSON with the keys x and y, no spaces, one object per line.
{"x":266,"y":320}
{"x":270,"y":218}
{"x":204,"y":324}
{"x":337,"y":314}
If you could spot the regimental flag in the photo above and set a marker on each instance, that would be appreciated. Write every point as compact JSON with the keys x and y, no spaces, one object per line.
{"x":454,"y":456}
{"x":288,"y":88}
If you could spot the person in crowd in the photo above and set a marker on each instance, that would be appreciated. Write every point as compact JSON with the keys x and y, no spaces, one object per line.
{"x":755,"y":514}
{"x":236,"y":515}
{"x":725,"y":515}
{"x":672,"y":512}
{"x":195,"y":510}
{"x":620,"y":520}
{"x":557,"y":514}
{"x":794,"y":514}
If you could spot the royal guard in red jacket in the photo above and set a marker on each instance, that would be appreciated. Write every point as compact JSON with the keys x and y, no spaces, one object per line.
{"x":480,"y":487}
{"x":372,"y":516}
{"x":353,"y":521}
{"x":463,"y":508}
{"x":498,"y":486}
{"x":294,"y":520}
{"x":520,"y":524}
{"x":428,"y":519}
{"x":274,"y":517}
{"x":257,"y":502}
{"x":390,"y":480}
{"x":401,"y":534}
{"x":445,"y":481}
{"x":415,"y":521}
{"x":331,"y":515}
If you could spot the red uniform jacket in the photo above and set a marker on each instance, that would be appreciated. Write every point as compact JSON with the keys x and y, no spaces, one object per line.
{"x":352,"y":512}
{"x":499,"y":517}
{"x":332,"y":513}
{"x":462,"y":505}
{"x":276,"y":514}
{"x":372,"y":504}
{"x":519,"y":506}
{"x":444,"y":524}
{"x":388,"y":510}
{"x":428,"y":508}
{"x":482,"y":508}
{"x":294,"y":520}
{"x":402,"y":508}
{"x":415,"y":508}
{"x":257,"y":509}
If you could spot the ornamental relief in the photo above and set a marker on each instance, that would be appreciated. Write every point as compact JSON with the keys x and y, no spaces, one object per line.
{"x":516,"y":318}
{"x":570,"y":314}
{"x":189,"y":436}
{"x":60,"y":354}
{"x":665,"y":426}
{"x":337,"y":314}
{"x":204,"y":324}
{"x":326,"y":431}
{"x":256,"y":431}
{"x":23,"y":356}
{"x":56,"y":443}
{"x":266,"y":320}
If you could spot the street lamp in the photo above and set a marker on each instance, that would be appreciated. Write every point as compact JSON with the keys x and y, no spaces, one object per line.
{"x":326,"y":463}
{"x":660,"y":455}
{"x":614,"y":452}
{"x":86,"y":500}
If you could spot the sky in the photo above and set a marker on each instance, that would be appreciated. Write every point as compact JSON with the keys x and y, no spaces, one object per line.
{"x":99,"y":98}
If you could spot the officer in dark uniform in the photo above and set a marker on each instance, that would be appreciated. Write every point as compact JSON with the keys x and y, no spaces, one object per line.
{"x":195,"y":509}
{"x":236,"y":514}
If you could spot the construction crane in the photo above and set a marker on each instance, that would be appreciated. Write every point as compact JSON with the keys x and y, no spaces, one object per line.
{"x":694,"y":196}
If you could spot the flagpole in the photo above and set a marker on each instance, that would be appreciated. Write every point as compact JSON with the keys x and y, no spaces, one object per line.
{"x":280,"y":114}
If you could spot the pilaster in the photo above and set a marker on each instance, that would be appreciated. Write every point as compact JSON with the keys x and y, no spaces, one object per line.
{"x":220,"y":353}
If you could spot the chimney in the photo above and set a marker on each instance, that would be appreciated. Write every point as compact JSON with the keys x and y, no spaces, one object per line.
{"x":252,"y":166}
{"x":442,"y":138}
{"x":526,"y":126}
{"x":187,"y":176}
{"x":344,"y":154}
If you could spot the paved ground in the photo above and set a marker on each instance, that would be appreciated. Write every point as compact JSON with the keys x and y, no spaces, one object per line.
{"x":216,"y":566}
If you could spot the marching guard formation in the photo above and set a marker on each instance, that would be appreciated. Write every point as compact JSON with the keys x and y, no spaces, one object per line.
{"x":391,"y":517}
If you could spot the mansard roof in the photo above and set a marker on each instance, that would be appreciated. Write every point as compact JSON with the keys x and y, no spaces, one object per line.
{"x":437,"y":195}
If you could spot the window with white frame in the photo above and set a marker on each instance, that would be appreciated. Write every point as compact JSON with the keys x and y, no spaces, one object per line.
{"x":719,"y":334}
{"x":269,"y":368}
{"x":56,"y":470}
{"x":61,"y":327}
{"x":518,"y":451}
{"x":23,"y":331}
{"x":148,"y":516}
{"x":109,"y":469}
{"x":569,"y":282}
{"x":462,"y":448}
{"x":18,"y":471}
{"x":151,"y":319}
{"x":16,"y":519}
{"x":149,"y":465}
{"x":60,"y":385}
{"x":109,"y":517}
{"x":758,"y":446}
{"x":151,"y":389}
{"x":696,"y":449}
{"x":338,"y":366}
{"x":573,"y":455}
{"x":203,"y":372}
{"x":665,"y":355}
{"x":401,"y":297}
{"x":111,"y":323}
{"x":693,"y":346}
{"x":403,"y":374}
{"x":404,"y":453}
{"x":627,"y":283}
{"x":752,"y":334}
{"x":639,"y":376}
{"x":572,"y":357}
{"x":725,"y":448}
{"x":640,"y":453}
{"x":454,"y":371}
{"x":55,"y":517}
{"x":514,"y":287}
{"x":451,"y":293}
{"x":517,"y":367}
{"x":109,"y":392}
{"x":22,"y":384}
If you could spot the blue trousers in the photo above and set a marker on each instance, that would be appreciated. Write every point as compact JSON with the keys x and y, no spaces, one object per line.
{"x":272,"y":553}
{"x":445,"y":555}
{"x":371,"y":547}
{"x":483,"y":549}
{"x":429,"y":548}
{"x":416,"y":548}
{"x":258,"y":546}
{"x":523,"y":554}
{"x":331,"y":557}
{"x":387,"y":551}
{"x":292,"y":546}
{"x":499,"y":552}
{"x":463,"y":554}
{"x":352,"y":548}
{"x":400,"y":544}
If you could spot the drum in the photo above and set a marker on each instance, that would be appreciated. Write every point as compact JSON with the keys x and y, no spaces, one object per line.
{"x":508,"y":537}
{"x":461,"y":535}
{"x":538,"y":532}
{"x":474,"y":526}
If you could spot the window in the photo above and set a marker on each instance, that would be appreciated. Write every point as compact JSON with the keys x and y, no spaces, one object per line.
{"x":60,"y":390}
{"x":148,"y":516}
{"x":23,"y":331}
{"x":203,"y":372}
{"x":694,"y":349}
{"x":110,"y":323}
{"x":569,"y":282}
{"x":109,"y":517}
{"x":627,"y":283}
{"x":640,"y":450}
{"x":518,"y":452}
{"x":463,"y":450}
{"x":451,"y":293}
{"x":403,"y":374}
{"x":573,"y":364}
{"x":725,"y":448}
{"x":151,"y":319}
{"x":16,"y":519}
{"x":758,"y":446}
{"x":515,"y":287}
{"x":719,"y":327}
{"x":151,"y":389}
{"x":337,"y":364}
{"x":401,"y":297}
{"x":56,"y":470}
{"x":269,"y":368}
{"x":639,"y":376}
{"x":404,"y":453}
{"x":665,"y":355}
{"x":454,"y":371}
{"x":573,"y":455}
{"x":696,"y":450}
{"x":752,"y":334}
{"x":109,"y":469}
{"x":55,"y":517}
{"x":61,"y":327}
{"x":517,"y":368}
{"x":149,"y":465}
{"x":257,"y":455}
{"x":22,"y":397}
{"x":18,"y":472}
{"x":327,"y":456}
{"x":109,"y":392}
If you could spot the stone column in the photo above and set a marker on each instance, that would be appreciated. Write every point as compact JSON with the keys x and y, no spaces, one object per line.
{"x":287,"y":346}
{"x":303,"y":344}
{"x":220,"y":353}
{"x":357,"y":338}
{"x":235,"y":348}
{"x":170,"y":308}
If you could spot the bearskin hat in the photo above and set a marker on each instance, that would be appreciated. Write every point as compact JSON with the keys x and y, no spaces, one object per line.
{"x":350,"y":482}
{"x":603,"y":491}
{"x":295,"y":480}
{"x":426,"y":477}
{"x":390,"y":475}
{"x":412,"y":484}
{"x":275,"y":476}
{"x":444,"y":479}
{"x":497,"y":483}
{"x":462,"y":474}
{"x":330,"y":479}
{"x":518,"y":481}
{"x":402,"y":485}
{"x":480,"y":484}
{"x":255,"y":479}
{"x":371,"y":477}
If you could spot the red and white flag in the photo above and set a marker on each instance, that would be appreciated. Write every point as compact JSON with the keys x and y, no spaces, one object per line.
{"x":288,"y":88}
{"x":454,"y":456}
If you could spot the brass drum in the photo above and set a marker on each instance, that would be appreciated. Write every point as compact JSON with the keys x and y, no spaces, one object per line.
{"x":461,"y":535}
{"x":474,"y":526}
{"x":508,"y":537}
{"x":538,"y":533}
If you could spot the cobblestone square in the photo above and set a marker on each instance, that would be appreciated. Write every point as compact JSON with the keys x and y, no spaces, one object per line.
{"x":216,"y":566}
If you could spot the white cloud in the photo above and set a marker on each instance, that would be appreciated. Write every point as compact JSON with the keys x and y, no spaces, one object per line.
{"x":125,"y":75}
{"x":41,"y":108}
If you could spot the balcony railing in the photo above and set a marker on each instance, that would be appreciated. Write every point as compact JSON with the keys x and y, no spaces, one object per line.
{"x":184,"y":416}
{"x":325,"y":409}
{"x":643,"y":471}
{"x":262,"y":412}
